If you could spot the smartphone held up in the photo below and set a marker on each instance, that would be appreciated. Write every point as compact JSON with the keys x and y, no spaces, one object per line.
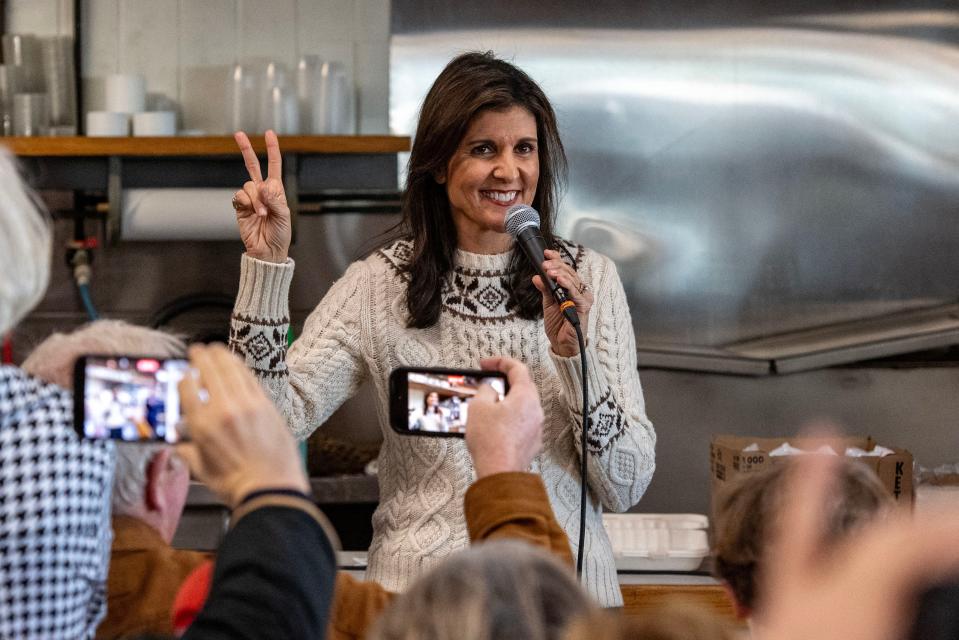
{"x":435,"y":402}
{"x":128,"y":398}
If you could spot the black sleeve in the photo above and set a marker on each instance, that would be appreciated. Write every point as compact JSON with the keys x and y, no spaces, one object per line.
{"x":937,"y":617}
{"x":273,"y":578}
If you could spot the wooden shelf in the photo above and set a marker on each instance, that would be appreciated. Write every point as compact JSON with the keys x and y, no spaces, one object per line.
{"x":82,"y":146}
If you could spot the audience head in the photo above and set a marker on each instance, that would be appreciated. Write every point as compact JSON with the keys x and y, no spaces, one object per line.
{"x":25,"y":244}
{"x":864,"y":587}
{"x":52,"y":360}
{"x":150,"y":482}
{"x":54,"y":500}
{"x":499,"y":589}
{"x":747,"y":514}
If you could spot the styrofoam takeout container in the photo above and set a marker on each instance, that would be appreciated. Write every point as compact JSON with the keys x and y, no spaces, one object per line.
{"x":657,"y":541}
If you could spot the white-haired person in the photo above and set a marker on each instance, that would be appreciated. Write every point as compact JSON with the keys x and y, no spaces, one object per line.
{"x":149,"y":488}
{"x":54,"y":487}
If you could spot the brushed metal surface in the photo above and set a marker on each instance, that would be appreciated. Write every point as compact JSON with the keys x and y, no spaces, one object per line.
{"x":747,"y":181}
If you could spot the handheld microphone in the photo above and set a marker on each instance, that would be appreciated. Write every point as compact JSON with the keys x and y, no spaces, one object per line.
{"x":522,"y":222}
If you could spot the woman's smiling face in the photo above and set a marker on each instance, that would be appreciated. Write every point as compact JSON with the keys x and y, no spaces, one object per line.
{"x":495,"y":166}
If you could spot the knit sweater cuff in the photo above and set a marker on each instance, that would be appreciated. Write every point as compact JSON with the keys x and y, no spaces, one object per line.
{"x":264,"y":289}
{"x":570,"y":373}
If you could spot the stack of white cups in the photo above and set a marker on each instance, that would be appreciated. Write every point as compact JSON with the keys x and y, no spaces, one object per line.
{"x":325,"y":92}
{"x":126,"y":99}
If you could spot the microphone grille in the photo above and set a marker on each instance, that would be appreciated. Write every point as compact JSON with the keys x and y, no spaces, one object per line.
{"x":520,"y":216}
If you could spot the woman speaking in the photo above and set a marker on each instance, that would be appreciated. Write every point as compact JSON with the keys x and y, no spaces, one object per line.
{"x":452,"y":290}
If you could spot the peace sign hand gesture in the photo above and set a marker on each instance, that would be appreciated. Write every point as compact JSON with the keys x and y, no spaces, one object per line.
{"x":261,"y":210}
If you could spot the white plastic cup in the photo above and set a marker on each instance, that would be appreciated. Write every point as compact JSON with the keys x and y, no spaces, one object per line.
{"x":245,"y":82}
{"x":333,"y":108}
{"x":307,"y":79}
{"x":278,"y":103}
{"x":154,"y":123}
{"x":6,"y":100}
{"x":126,"y":93}
{"x":22,"y":53}
{"x":31,"y":114}
{"x":61,"y":84}
{"x":108,"y":124}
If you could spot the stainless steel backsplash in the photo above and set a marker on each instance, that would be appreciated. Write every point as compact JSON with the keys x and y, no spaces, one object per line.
{"x":763,"y":176}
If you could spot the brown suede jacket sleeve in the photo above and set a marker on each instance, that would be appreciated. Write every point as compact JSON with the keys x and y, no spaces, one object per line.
{"x":505,"y":505}
{"x":515,"y":505}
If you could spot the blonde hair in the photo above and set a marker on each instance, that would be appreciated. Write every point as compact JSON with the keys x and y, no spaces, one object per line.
{"x":25,"y":245}
{"x":498,"y":589}
{"x":53,"y":359}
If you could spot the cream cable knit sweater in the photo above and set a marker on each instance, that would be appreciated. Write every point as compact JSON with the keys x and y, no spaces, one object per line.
{"x":359,"y":332}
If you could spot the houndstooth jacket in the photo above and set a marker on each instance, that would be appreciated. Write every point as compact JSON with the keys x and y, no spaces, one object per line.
{"x":54,"y":515}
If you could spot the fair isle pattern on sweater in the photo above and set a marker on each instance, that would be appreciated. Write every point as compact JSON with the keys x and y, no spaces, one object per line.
{"x":359,"y":332}
{"x":479,"y":295}
{"x":261,"y":341}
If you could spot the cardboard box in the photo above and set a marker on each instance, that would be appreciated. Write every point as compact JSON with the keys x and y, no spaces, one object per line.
{"x":728,"y":461}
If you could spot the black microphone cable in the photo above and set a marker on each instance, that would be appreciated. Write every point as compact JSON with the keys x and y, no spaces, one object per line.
{"x":522,"y":223}
{"x":583,"y":441}
{"x":584,"y":433}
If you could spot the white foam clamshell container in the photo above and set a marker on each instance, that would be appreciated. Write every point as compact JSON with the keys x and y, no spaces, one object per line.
{"x":657,"y":541}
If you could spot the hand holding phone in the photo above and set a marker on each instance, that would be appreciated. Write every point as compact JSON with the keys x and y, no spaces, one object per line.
{"x":497,"y":409}
{"x":505,"y":434}
{"x":436,"y":402}
{"x":239,"y":442}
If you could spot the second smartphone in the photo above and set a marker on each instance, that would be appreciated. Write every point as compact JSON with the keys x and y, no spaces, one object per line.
{"x":434,"y":402}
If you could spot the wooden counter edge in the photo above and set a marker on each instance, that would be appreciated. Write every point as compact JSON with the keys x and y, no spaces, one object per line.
{"x":173,"y":146}
{"x":639,"y":599}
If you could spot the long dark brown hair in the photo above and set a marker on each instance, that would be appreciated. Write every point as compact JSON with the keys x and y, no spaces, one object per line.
{"x":470,"y":84}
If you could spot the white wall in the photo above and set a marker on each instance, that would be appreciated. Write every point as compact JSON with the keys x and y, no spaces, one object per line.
{"x":186,"y":48}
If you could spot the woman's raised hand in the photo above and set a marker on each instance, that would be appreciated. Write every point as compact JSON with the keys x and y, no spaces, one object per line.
{"x":261,"y":210}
